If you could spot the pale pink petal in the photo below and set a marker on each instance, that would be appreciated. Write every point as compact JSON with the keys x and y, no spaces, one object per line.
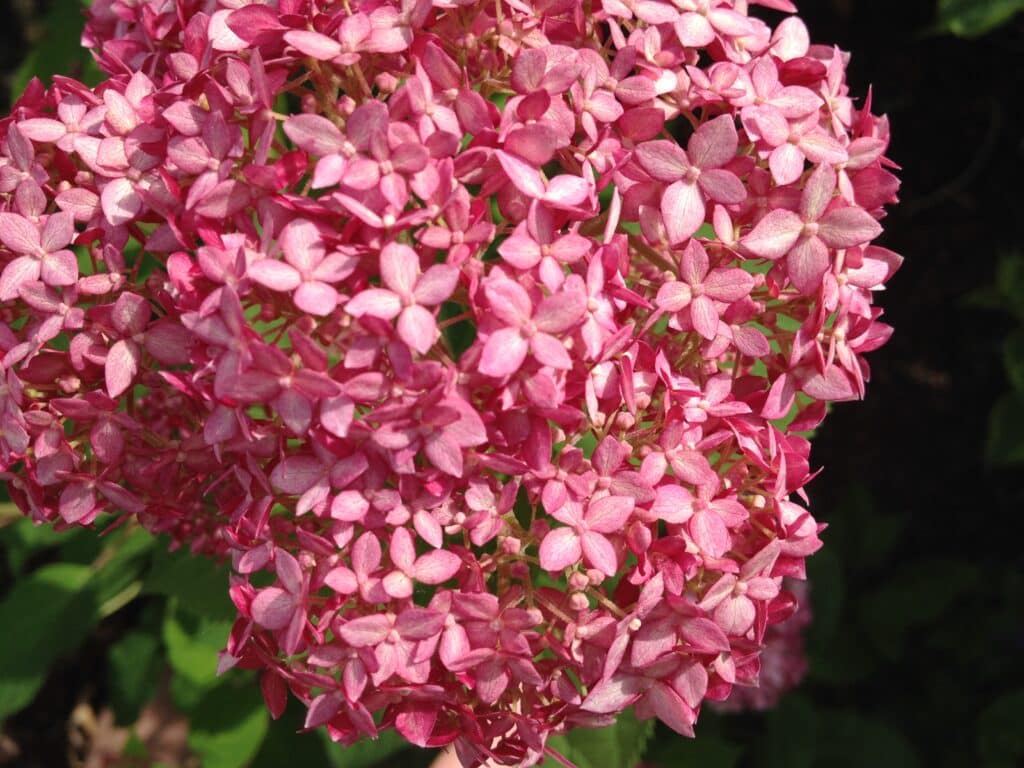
{"x":550,"y":351}
{"x":774,"y":235}
{"x":436,"y":284}
{"x":302,"y":244}
{"x":847,"y":227}
{"x":272,"y":608}
{"x":682,"y":209}
{"x":313,"y":44}
{"x":120,"y":202}
{"x":807,"y":263}
{"x":19,"y":234}
{"x":399,"y":268}
{"x":524,"y":176}
{"x":560,"y":549}
{"x":274,"y":274}
{"x":316,"y":298}
{"x":714,"y":144}
{"x":121,"y":366}
{"x":673,"y":296}
{"x":614,"y":695}
{"x":503,"y":353}
{"x":694,"y":31}
{"x":787,"y":163}
{"x":436,"y":567}
{"x":609,"y":514}
{"x":24,"y":269}
{"x":704,"y":317}
{"x":560,"y":312}
{"x":314,"y":133}
{"x":722,"y":187}
{"x":366,"y":630}
{"x":375,"y":302}
{"x":730,"y":284}
{"x":599,"y":553}
{"x":664,"y":160}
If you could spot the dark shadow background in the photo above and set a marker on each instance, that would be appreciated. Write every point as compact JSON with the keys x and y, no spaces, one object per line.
{"x":918,"y":639}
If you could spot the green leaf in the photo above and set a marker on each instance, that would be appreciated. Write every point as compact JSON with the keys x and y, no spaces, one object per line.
{"x":132,"y":671}
{"x":363,"y":754}
{"x":229,"y":725}
{"x":199,"y":585}
{"x":621,"y":745}
{"x":1005,"y":444}
{"x":193,"y":643}
{"x":1000,"y":738}
{"x":58,"y":50}
{"x":848,"y":739}
{"x":22,"y":539}
{"x":913,"y":597}
{"x":973,"y":18}
{"x":285,"y":745}
{"x":39,"y":625}
{"x":1013,"y":358}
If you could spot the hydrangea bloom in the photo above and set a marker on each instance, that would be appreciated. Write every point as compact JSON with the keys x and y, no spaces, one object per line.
{"x":488,"y":333}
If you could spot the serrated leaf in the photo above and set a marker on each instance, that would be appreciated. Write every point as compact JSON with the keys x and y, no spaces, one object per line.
{"x":228,"y":726}
{"x":621,"y":745}
{"x":41,"y":622}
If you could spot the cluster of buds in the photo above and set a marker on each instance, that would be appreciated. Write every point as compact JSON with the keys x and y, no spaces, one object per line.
{"x":482,"y":337}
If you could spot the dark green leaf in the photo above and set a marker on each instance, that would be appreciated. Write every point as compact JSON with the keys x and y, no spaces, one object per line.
{"x":364,"y":754}
{"x":972,"y":18}
{"x":1000,"y":737}
{"x":131,"y":682}
{"x":621,"y":745}
{"x":58,"y":50}
{"x":228,"y":726}
{"x":1005,"y":444}
{"x":39,"y":625}
{"x":199,"y":585}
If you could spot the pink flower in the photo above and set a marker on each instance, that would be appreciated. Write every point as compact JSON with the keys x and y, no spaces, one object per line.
{"x":584,"y":534}
{"x":43,"y":255}
{"x":407,"y":296}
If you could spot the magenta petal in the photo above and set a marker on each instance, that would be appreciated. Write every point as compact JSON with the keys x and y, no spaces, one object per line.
{"x":671,"y":709}
{"x":121,"y":366}
{"x":272,"y":608}
{"x":366,"y":630}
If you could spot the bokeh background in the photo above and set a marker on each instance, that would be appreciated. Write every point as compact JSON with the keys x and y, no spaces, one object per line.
{"x":916,"y":649}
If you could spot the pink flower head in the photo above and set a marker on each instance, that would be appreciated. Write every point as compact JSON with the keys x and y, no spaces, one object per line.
{"x":499,"y":436}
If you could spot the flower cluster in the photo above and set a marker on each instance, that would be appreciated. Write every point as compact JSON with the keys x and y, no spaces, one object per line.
{"x":482,"y":337}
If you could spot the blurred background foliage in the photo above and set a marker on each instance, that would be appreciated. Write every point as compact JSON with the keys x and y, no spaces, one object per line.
{"x":108,"y":646}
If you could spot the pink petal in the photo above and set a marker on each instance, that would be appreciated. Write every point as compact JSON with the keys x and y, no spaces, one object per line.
{"x":560,"y":312}
{"x":314,"y":133}
{"x":550,"y":351}
{"x":609,"y":514}
{"x":273,"y":608}
{"x":436,"y":567}
{"x":120,"y":202}
{"x":664,"y":160}
{"x":730,"y":284}
{"x":613,"y":695}
{"x":350,"y":507}
{"x":375,"y":302}
{"x":847,"y":227}
{"x":774,"y":235}
{"x":599,"y":553}
{"x":504,"y":353}
{"x":807,"y":263}
{"x":313,"y":44}
{"x":704,"y":317}
{"x":714,"y":144}
{"x":671,"y":709}
{"x":399,"y":268}
{"x":673,"y":504}
{"x":694,"y":31}
{"x":787,"y":163}
{"x":19,"y":234}
{"x":722,"y":187}
{"x":436,"y":284}
{"x":366,"y":630}
{"x":77,"y":501}
{"x":682,"y":209}
{"x":524,"y":176}
{"x":302,"y":244}
{"x":673,"y":296}
{"x":316,"y":298}
{"x":121,"y":366}
{"x":274,"y":274}
{"x":560,"y":549}
{"x":24,"y":269}
{"x":444,"y":453}
{"x":709,"y":533}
